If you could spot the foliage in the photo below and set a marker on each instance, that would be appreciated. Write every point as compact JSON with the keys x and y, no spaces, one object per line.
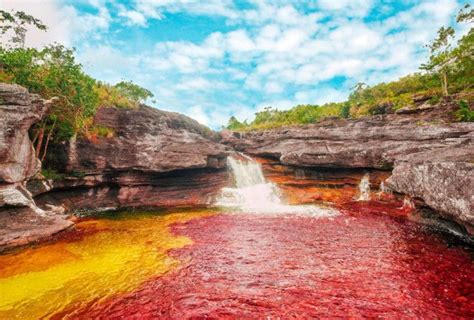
{"x":465,"y":113}
{"x":235,"y":124}
{"x":52,"y":174}
{"x":345,"y":111}
{"x":133,"y":91}
{"x":18,"y":22}
{"x":116,"y":96}
{"x":53,"y":72}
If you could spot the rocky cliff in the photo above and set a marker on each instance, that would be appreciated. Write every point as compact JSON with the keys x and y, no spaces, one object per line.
{"x":443,"y":178}
{"x":21,"y":220}
{"x":146,"y":158}
{"x":431,"y":160}
{"x":149,"y":157}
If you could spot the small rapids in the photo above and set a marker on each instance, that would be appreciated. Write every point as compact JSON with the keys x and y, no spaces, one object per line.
{"x":364,"y":188}
{"x":253,"y":194}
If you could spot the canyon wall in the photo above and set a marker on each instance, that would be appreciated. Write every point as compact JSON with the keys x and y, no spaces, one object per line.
{"x":21,"y":220}
{"x":140,"y":157}
{"x":432,"y":159}
{"x":148,"y":157}
{"x":145,"y":157}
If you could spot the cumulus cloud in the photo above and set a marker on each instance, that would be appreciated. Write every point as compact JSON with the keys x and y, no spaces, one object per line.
{"x":267,"y":53}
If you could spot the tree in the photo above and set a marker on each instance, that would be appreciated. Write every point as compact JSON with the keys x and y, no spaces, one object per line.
{"x":441,"y":57}
{"x":18,"y":22}
{"x":134,"y":91}
{"x":466,"y":14}
{"x":345,"y":111}
{"x":234,"y":124}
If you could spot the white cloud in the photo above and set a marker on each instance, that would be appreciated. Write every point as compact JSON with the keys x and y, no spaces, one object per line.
{"x":273,"y":53}
{"x":198,"y":113}
{"x":65,"y":24}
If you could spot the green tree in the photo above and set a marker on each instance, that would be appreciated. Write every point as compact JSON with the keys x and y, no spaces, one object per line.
{"x":441,"y":57}
{"x":134,"y":91}
{"x":234,"y":124}
{"x":345,"y":111}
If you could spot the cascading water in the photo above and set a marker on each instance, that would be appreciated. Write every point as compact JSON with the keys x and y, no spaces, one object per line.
{"x":253,"y":194}
{"x":364,"y":188}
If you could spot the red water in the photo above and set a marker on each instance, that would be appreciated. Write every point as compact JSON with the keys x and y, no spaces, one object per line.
{"x":351,"y":266}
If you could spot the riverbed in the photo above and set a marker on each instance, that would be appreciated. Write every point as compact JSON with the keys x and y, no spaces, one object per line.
{"x":209,"y":263}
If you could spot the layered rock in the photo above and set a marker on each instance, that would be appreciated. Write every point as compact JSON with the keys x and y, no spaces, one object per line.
{"x":431,"y":160}
{"x":145,"y":139}
{"x":443,"y":178}
{"x":149,"y":158}
{"x":19,"y":110}
{"x":367,"y":143}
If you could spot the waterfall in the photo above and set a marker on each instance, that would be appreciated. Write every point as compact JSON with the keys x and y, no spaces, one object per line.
{"x":382,"y":187}
{"x":253,"y":194}
{"x":364,"y":188}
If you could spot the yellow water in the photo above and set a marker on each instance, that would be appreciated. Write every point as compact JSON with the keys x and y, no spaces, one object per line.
{"x":113,"y":256}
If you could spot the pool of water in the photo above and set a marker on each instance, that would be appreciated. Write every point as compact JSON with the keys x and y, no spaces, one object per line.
{"x":198,"y":263}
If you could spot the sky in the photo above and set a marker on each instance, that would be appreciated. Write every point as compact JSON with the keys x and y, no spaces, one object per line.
{"x":214,"y":59}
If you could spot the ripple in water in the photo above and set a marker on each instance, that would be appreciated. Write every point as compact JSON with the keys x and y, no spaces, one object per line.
{"x":253,"y":194}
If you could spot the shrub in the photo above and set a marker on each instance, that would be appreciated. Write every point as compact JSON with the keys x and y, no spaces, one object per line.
{"x":465,"y":113}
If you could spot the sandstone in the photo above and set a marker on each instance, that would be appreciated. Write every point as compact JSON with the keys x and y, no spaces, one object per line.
{"x":367,"y":143}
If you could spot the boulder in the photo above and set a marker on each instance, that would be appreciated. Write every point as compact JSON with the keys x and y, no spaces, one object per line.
{"x":443,"y":178}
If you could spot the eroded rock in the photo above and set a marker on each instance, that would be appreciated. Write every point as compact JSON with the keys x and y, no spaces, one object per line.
{"x":443,"y":178}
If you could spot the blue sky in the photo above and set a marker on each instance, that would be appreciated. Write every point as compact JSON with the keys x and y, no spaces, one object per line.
{"x":213,"y":59}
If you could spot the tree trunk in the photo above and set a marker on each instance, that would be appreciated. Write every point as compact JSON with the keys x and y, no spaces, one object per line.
{"x":40,"y":142}
{"x":444,"y":82}
{"x":47,"y":140}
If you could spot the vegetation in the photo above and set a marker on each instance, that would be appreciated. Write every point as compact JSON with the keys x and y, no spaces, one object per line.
{"x":449,"y":70}
{"x":53,"y":72}
{"x":464,"y":113}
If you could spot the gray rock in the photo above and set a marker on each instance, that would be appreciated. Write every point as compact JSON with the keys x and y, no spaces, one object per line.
{"x":443,"y":178}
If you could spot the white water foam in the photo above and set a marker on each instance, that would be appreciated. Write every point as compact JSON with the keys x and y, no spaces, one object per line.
{"x":364,"y":188}
{"x":253,"y":194}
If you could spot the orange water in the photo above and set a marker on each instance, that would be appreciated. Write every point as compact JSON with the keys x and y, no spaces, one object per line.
{"x":99,"y":260}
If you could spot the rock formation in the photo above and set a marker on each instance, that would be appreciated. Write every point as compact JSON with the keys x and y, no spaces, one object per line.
{"x":443,"y":178}
{"x":150,"y":158}
{"x":21,"y":220}
{"x":431,"y":161}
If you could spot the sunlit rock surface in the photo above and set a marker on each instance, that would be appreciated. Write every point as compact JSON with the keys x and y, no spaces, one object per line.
{"x":21,"y":220}
{"x":151,"y":158}
{"x":366,"y":143}
{"x":443,"y":178}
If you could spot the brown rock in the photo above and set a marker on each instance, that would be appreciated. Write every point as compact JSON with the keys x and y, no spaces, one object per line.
{"x":368,"y":143}
{"x":148,"y":140}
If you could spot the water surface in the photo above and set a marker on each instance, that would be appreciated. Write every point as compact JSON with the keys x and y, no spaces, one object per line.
{"x":198,"y":263}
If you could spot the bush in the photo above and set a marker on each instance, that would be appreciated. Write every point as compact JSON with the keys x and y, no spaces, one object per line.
{"x":465,"y":113}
